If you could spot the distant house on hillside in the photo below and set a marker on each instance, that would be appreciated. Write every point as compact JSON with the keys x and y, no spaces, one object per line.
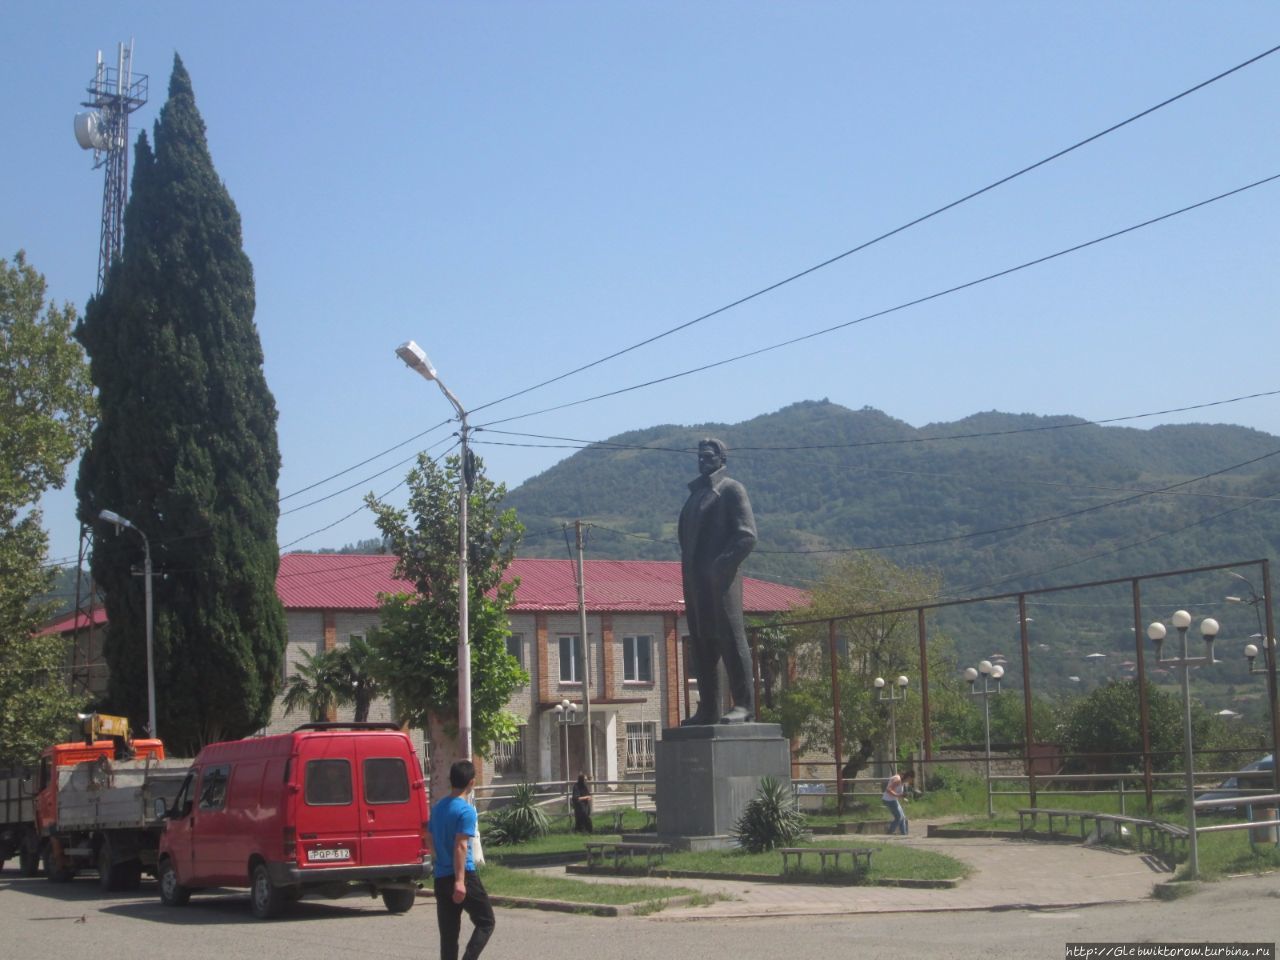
{"x":636,"y":628}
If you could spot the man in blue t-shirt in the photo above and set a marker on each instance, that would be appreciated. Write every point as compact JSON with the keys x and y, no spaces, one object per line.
{"x":457,"y":885}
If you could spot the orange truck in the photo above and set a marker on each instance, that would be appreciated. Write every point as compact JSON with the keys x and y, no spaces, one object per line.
{"x":91,"y":805}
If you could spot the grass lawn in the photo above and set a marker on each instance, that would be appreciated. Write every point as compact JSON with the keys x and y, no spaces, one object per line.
{"x":506,"y":882}
{"x":889,"y":862}
{"x":1223,"y":854}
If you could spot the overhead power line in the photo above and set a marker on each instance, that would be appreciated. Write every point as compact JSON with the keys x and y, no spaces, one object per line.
{"x":579,"y":443}
{"x":888,"y":310}
{"x":884,"y":236}
{"x":363,"y":506}
{"x":973,"y":534}
{"x":1121,"y":549}
{"x":357,"y":466}
{"x":361,"y":483}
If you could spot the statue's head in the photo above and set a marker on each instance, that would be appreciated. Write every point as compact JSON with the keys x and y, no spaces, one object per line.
{"x":712,"y":455}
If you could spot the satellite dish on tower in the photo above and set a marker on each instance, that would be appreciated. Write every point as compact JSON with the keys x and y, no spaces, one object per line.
{"x":90,"y":133}
{"x":114,"y":93}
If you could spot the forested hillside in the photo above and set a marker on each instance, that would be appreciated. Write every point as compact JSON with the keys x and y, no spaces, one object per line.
{"x":994,"y":502}
{"x":823,"y":477}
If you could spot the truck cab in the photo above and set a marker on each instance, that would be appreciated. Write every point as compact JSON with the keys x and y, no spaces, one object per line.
{"x":69,"y":755}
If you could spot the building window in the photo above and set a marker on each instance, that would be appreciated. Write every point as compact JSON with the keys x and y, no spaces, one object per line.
{"x":640,"y":740}
{"x":508,"y":758}
{"x":571,"y":659}
{"x":353,"y":637}
{"x":515,"y":647}
{"x":637,"y":659}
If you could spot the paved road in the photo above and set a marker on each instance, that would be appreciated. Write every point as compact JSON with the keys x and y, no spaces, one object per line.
{"x":42,"y":919}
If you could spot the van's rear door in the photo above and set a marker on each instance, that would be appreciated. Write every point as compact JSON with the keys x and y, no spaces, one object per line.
{"x":328,"y":818}
{"x":392,"y":806}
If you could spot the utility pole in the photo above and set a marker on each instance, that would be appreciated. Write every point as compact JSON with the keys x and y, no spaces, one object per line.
{"x":586,"y":652}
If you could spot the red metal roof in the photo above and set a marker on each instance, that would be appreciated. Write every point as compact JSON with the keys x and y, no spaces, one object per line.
{"x":315,"y":581}
{"x":75,"y":621}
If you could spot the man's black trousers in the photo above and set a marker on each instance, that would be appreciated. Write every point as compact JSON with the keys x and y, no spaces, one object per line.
{"x":449,"y":917}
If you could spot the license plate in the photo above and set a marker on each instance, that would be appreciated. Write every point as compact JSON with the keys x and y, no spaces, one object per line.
{"x":338,"y":853}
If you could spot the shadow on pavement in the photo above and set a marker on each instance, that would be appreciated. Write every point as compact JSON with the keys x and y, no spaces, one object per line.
{"x":81,"y":899}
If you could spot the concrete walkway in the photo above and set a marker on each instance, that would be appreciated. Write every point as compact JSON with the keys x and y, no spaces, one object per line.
{"x":1005,"y":875}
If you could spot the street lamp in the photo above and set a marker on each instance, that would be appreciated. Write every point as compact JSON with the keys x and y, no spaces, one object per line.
{"x":564,"y":715}
{"x":113,"y":518}
{"x":416,"y":359}
{"x":1181,"y":620}
{"x":892,"y":698}
{"x":990,"y":675}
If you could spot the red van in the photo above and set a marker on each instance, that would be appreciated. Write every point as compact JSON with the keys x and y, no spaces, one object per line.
{"x":329,"y":808}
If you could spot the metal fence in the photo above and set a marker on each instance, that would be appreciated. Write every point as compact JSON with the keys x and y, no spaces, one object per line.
{"x":1147,"y":774}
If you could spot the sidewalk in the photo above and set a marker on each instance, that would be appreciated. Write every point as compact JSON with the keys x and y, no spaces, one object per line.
{"x":1006,"y":875}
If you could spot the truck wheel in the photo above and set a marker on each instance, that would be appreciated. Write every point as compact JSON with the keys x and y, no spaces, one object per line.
{"x":108,"y":873}
{"x":266,"y":899}
{"x":172,"y":893}
{"x":56,"y":873}
{"x":399,"y":901}
{"x":29,"y":855}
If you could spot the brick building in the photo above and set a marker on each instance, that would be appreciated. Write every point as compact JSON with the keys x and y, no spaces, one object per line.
{"x":636,"y":635}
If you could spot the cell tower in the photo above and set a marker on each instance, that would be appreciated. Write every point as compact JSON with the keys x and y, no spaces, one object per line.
{"x":115,"y":93}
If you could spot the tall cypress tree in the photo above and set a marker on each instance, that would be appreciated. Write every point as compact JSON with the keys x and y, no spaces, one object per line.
{"x":185,"y":449}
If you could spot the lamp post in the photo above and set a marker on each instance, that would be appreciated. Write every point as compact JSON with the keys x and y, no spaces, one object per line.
{"x":564,"y":715}
{"x":1181,"y":620}
{"x":892,"y":698}
{"x":118,"y":522}
{"x":416,"y":359}
{"x":990,"y":675}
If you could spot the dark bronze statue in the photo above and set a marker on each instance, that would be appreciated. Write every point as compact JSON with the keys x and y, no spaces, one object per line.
{"x":717,"y":531}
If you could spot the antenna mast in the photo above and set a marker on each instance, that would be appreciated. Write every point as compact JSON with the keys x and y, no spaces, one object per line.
{"x":114,"y":94}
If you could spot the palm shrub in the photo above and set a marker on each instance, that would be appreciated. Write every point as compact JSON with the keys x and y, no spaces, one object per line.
{"x":770,"y":819}
{"x":519,"y":821}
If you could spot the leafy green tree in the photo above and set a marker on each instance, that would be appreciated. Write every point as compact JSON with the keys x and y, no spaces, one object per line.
{"x":417,"y":640}
{"x":1106,"y":724}
{"x":869,"y":647}
{"x":314,"y":687}
{"x":345,"y":676}
{"x":185,"y":448}
{"x":45,"y":411}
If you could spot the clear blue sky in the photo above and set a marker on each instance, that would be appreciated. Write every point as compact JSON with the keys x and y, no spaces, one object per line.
{"x":526,"y":186}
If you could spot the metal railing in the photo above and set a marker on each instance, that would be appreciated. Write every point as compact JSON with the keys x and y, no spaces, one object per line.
{"x":638,"y":794}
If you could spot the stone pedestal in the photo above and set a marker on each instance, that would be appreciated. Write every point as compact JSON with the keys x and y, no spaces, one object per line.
{"x":706,"y":775}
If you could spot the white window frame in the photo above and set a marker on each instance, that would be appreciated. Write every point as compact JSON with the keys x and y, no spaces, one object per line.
{"x":508,"y":757}
{"x":631,"y":659}
{"x":575,"y":667}
{"x":642,"y":736}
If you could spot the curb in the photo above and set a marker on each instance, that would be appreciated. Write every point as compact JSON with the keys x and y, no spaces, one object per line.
{"x":592,"y":909}
{"x":790,"y":880}
{"x":991,"y":908}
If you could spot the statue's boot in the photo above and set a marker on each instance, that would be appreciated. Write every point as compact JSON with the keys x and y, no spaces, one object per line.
{"x":737,"y":715}
{"x":699,"y":719}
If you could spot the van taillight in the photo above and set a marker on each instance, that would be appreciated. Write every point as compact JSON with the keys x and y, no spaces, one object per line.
{"x":290,"y":844}
{"x":426,"y":832}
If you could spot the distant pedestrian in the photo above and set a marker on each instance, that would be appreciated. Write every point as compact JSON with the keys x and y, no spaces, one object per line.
{"x":894,"y":791}
{"x":457,"y":885}
{"x":581,"y":801}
